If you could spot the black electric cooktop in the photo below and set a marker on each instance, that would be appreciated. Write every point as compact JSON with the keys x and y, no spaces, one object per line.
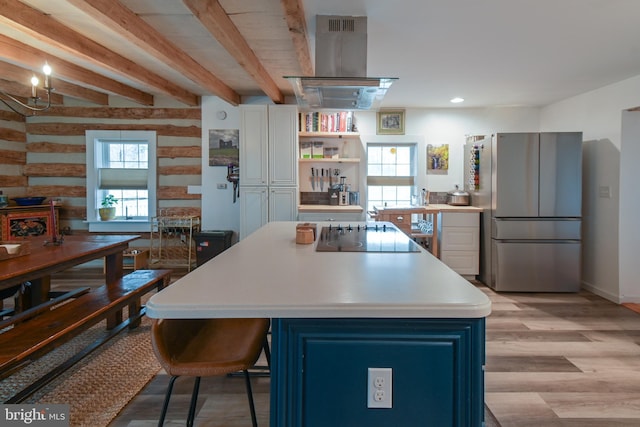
{"x":371,"y":237}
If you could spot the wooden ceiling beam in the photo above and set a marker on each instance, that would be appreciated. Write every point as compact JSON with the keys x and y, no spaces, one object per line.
{"x":47,"y":30}
{"x":217,"y":22}
{"x":80,"y":92}
{"x":22,"y":75}
{"x":139,"y":32}
{"x":31,"y":57}
{"x":294,"y":14}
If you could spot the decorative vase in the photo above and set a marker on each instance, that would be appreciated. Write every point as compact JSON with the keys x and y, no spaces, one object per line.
{"x":107,"y":214}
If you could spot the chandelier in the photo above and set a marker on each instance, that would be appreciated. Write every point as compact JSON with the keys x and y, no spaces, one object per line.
{"x":33,"y":102}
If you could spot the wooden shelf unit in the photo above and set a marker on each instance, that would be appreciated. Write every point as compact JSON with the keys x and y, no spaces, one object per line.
{"x":327,"y":160}
{"x":328,"y":134}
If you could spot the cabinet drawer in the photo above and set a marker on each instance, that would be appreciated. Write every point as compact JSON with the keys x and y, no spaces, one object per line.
{"x":401,"y":220}
{"x":457,"y":219}
{"x":460,"y":238}
{"x":462,"y":262}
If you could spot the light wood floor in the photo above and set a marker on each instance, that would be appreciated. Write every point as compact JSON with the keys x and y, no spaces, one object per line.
{"x":552,"y":360}
{"x":562,"y":360}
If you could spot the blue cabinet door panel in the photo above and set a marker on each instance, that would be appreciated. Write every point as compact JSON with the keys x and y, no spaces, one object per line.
{"x":335,"y":379}
{"x":320,"y":373}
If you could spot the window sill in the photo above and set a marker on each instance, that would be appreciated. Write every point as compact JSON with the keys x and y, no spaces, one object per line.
{"x":117,"y":225}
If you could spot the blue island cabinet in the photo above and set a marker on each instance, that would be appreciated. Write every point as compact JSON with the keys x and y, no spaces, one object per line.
{"x":320,"y":372}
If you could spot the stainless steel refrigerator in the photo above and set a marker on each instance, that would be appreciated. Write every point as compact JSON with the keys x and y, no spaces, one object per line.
{"x":530,"y":188}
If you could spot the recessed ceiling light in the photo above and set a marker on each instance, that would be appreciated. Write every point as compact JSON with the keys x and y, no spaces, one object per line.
{"x":457,"y":100}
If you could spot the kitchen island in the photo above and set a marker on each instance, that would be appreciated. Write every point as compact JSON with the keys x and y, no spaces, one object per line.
{"x":337,"y":314}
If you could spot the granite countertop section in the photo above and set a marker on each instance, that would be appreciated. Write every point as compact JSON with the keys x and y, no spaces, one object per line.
{"x":268,"y":275}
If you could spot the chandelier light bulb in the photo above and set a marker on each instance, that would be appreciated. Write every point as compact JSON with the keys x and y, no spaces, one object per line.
{"x":46,"y":69}
{"x":34,"y":84}
{"x":31,"y":107}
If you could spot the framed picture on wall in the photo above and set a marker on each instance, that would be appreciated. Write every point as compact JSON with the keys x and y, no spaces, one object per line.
{"x":438,"y":159}
{"x":223,"y":147}
{"x":390,"y":122}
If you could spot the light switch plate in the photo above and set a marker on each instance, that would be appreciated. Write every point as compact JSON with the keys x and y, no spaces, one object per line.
{"x":604,"y":192}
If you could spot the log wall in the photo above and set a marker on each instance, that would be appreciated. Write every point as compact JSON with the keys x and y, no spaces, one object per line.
{"x":44,"y":155}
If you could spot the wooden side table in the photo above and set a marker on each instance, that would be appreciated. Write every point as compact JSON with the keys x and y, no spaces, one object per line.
{"x":401,"y":217}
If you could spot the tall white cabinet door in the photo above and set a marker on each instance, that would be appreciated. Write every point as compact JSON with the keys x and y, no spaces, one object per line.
{"x":254,"y":209}
{"x":254,"y":143}
{"x":283,"y":204}
{"x":283,"y":145}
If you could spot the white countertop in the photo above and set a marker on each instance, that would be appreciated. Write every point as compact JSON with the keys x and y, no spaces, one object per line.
{"x":434,"y":206}
{"x":330,"y":208}
{"x":269,"y":275}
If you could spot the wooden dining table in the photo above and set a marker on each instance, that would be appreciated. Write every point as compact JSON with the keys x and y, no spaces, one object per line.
{"x":46,"y":258}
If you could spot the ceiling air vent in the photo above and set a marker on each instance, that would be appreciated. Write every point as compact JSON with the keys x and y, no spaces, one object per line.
{"x":342,"y":24}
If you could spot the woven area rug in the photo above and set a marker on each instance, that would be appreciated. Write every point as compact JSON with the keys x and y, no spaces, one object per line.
{"x":101,"y":384}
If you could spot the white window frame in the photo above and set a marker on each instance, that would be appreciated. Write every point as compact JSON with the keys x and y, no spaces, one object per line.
{"x":388,"y":180}
{"x":93,"y":138}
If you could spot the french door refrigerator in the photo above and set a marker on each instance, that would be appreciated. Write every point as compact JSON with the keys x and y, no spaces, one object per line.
{"x":530,"y":188}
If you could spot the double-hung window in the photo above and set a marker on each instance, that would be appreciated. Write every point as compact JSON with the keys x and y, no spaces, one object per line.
{"x":121,"y":164}
{"x":391,"y":171}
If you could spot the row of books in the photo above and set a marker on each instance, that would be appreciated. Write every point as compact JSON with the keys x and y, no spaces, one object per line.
{"x":316,"y":121}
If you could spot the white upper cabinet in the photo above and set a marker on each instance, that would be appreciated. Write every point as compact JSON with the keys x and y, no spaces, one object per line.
{"x":254,"y":145}
{"x":283,"y":145}
{"x":268,"y":145}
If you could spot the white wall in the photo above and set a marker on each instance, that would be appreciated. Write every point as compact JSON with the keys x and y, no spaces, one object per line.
{"x":598,"y":115}
{"x":218,"y":210}
{"x":449,"y":126}
{"x":629,"y":207}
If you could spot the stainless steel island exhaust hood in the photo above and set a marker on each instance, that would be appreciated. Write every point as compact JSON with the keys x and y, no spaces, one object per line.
{"x":341,"y":68}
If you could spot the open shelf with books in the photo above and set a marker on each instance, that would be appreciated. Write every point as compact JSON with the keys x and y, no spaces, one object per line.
{"x":338,"y":122}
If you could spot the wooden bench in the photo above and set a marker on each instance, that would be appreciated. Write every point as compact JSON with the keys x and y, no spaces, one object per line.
{"x":36,"y":333}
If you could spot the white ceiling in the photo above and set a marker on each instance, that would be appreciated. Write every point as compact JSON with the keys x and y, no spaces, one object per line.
{"x":490,"y":52}
{"x":496,"y":52}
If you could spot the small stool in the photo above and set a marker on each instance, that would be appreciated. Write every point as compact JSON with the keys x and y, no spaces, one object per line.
{"x":136,"y":259}
{"x":133,"y":259}
{"x":208,"y":347}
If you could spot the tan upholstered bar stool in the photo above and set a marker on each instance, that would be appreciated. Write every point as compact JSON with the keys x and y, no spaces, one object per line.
{"x":208,"y":347}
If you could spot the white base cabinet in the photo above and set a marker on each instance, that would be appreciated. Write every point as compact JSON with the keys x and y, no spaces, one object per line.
{"x":254,"y":209}
{"x":283,"y":204}
{"x":459,"y":241}
{"x":259,"y":205}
